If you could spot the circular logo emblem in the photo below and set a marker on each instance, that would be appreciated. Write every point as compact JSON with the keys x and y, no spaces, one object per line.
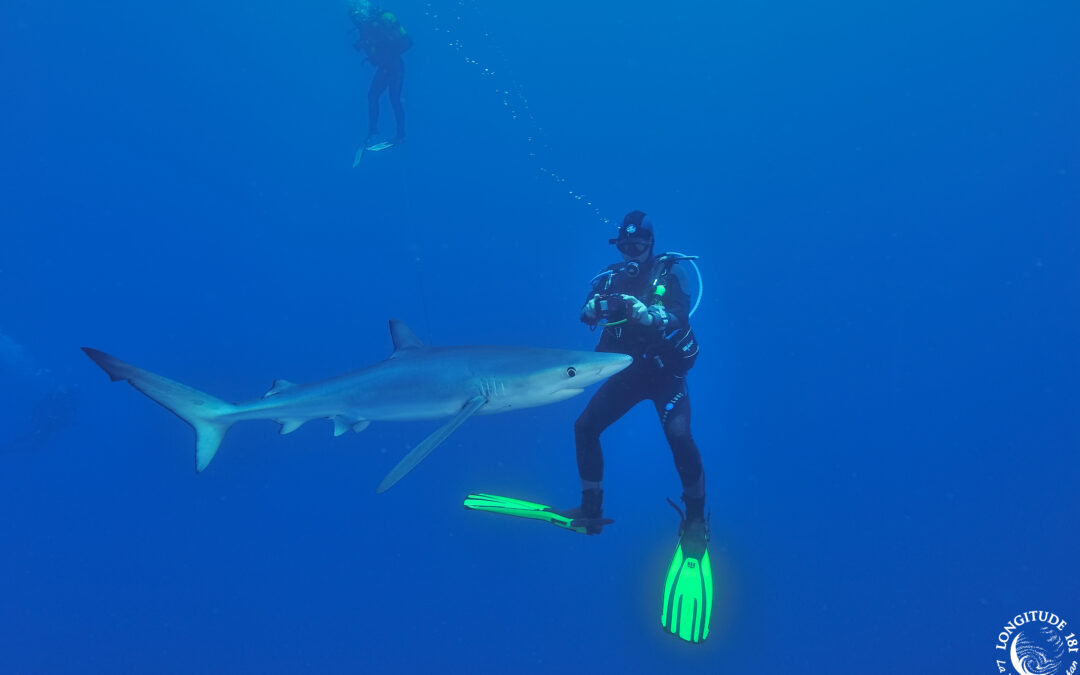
{"x":1037,"y":643}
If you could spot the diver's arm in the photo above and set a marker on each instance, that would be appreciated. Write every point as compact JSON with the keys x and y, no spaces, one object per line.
{"x":668,"y":313}
{"x":363,"y":44}
{"x":588,"y":312}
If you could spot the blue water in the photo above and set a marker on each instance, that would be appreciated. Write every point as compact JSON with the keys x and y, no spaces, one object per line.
{"x":885,"y":199}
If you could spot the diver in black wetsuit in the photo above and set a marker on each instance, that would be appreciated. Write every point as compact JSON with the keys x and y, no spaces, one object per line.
{"x":384,"y":40}
{"x":645,"y":312}
{"x":53,"y":413}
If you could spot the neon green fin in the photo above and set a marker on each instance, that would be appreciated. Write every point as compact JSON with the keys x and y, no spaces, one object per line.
{"x":688,"y":589}
{"x":521,"y":509}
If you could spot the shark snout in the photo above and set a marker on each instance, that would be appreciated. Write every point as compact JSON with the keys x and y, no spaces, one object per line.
{"x":609,"y":364}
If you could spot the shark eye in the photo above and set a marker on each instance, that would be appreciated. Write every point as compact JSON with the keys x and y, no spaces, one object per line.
{"x":571,"y":371}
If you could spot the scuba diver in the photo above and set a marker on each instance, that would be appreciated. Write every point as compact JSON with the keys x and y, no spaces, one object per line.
{"x":384,"y":40}
{"x":643,"y":308}
{"x":53,"y":413}
{"x":644,"y":311}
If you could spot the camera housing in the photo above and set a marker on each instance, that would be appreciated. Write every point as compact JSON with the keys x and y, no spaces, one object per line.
{"x":612,"y":307}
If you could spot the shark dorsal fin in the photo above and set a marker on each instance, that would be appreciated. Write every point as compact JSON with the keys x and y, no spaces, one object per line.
{"x":277,"y":387}
{"x":403,"y":337}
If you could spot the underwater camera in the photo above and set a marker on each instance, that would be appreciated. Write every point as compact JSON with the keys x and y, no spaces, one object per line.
{"x":612,"y":307}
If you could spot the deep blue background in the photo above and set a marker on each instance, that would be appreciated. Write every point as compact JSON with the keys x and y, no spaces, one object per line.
{"x":886,"y":203}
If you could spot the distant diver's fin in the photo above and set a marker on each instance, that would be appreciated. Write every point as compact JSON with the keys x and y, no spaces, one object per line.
{"x":374,"y":147}
{"x":519,"y":508}
{"x":202,"y":411}
{"x":417,"y":454}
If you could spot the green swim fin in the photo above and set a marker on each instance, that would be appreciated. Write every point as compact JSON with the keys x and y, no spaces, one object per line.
{"x":531,"y":510}
{"x":688,"y":589}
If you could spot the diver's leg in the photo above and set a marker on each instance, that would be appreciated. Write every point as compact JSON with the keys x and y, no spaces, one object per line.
{"x":614,"y":398}
{"x":396,"y":80}
{"x":672,"y":400}
{"x":379,"y":82}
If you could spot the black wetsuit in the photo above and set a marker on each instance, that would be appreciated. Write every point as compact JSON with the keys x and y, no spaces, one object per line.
{"x":384,"y":41}
{"x":656,"y":374}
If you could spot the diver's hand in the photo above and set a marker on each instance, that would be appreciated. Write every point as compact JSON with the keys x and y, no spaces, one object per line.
{"x":639,"y":313}
{"x":588,"y":312}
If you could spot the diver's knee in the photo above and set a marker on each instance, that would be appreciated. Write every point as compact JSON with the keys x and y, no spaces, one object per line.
{"x":584,"y":427}
{"x":678,"y":435}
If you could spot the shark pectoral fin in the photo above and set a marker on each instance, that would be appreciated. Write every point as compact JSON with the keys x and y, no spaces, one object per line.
{"x":289,"y":426}
{"x":417,"y":454}
{"x":361,"y":425}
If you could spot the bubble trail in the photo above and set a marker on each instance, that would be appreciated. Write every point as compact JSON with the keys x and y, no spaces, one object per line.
{"x":511,"y":96}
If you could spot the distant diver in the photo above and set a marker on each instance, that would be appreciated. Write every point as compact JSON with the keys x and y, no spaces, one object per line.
{"x":383,"y":39}
{"x":53,"y":413}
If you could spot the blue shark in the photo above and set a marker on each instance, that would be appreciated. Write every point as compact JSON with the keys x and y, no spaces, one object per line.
{"x":416,"y":382}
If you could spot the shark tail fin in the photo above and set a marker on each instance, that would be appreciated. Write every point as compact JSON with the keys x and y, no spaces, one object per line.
{"x":202,"y":411}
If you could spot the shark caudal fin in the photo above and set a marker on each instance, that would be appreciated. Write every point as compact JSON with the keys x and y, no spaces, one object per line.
{"x":202,"y":411}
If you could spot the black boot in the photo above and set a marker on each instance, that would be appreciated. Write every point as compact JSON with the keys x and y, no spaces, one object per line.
{"x":694,"y":530}
{"x":590,"y":514}
{"x":591,"y":503}
{"x":695,"y":508}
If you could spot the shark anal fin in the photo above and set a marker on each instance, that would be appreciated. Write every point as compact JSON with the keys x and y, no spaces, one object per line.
{"x":289,"y":426}
{"x":342,"y":424}
{"x":417,"y":454}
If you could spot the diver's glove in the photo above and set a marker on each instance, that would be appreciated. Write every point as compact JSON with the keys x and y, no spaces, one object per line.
{"x":660,"y":316}
{"x":638,"y":312}
{"x":589,"y":314}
